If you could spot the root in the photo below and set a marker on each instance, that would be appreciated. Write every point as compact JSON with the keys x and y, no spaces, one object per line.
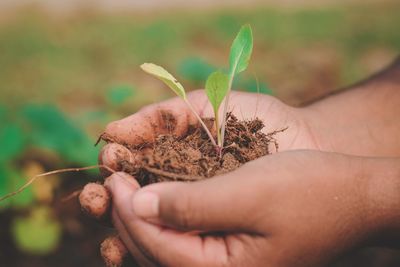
{"x":271,"y":135}
{"x":173,"y":176}
{"x":71,"y":196}
{"x":33,"y":179}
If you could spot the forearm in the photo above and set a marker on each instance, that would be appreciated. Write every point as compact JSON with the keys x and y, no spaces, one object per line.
{"x":363,"y":120}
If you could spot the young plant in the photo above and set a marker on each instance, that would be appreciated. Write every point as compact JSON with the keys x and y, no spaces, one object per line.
{"x":163,"y":75}
{"x":239,"y":58}
{"x":218,"y":85}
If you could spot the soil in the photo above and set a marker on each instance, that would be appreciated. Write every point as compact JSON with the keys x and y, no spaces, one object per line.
{"x":192,"y":156}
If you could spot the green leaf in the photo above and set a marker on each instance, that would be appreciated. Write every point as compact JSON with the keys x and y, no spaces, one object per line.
{"x":165,"y":76}
{"x":241,"y":49}
{"x":38,"y":233}
{"x":217,"y":88}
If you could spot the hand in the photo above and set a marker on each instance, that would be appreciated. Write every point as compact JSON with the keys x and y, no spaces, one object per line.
{"x":285,"y":198}
{"x":290,"y":209}
{"x":147,"y":123}
{"x":175,"y":117}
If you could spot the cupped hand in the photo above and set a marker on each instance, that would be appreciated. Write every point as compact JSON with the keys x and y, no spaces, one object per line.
{"x":291,"y":209}
{"x":173,"y":116}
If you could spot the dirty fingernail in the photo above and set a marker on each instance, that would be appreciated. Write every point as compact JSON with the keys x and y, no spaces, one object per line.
{"x":127,"y":178}
{"x":112,"y":154}
{"x":123,"y":177}
{"x":145,"y":204}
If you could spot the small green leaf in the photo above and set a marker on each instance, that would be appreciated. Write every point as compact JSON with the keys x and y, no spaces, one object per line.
{"x":241,"y":49}
{"x":165,"y":76}
{"x":217,"y":88}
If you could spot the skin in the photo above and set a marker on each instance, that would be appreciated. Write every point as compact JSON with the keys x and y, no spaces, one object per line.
{"x":332,"y":188}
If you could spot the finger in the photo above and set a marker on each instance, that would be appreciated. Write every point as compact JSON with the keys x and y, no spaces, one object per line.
{"x":131,"y":184}
{"x":164,"y":246}
{"x":136,"y":253}
{"x":171,"y":116}
{"x":115,"y":156}
{"x":227,"y":202}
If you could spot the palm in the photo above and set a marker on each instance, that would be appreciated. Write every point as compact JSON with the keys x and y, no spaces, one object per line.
{"x":150,"y":121}
{"x":276,"y":115}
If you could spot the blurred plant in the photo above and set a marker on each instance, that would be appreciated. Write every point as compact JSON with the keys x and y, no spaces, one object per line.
{"x":43,"y":128}
{"x":38,"y":233}
{"x":196,"y":70}
{"x":119,"y":94}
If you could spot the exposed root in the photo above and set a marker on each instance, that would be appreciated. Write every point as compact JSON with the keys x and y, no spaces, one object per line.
{"x":173,"y":176}
{"x":271,"y":135}
{"x":71,"y":196}
{"x":33,"y":179}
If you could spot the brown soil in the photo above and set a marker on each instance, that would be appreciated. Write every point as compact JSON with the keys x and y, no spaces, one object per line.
{"x":193,"y":157}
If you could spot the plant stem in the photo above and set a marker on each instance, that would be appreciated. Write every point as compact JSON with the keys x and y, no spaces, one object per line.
{"x":219,"y":139}
{"x":201,"y":122}
{"x":223,"y":126}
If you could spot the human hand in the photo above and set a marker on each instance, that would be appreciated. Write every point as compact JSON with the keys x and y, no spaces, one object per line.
{"x":290,"y":209}
{"x":145,"y":125}
{"x":142,"y":126}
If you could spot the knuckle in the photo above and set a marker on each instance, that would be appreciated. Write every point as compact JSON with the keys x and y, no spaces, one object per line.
{"x":110,"y":127}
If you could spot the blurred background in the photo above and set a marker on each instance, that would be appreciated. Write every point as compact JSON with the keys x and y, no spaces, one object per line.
{"x":69,"y":67}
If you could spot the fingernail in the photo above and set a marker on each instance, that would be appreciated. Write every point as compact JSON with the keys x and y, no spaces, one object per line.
{"x":145,"y":204}
{"x":127,"y":178}
{"x":122,"y":177}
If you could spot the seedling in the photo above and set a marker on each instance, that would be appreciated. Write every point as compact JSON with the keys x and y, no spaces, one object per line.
{"x":218,"y":84}
{"x":239,"y":58}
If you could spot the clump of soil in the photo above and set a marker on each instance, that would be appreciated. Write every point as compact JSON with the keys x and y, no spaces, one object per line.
{"x":193,"y":157}
{"x":113,"y":251}
{"x":95,"y":200}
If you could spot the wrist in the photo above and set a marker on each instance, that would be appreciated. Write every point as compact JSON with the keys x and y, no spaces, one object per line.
{"x":359,"y":121}
{"x":381,"y":201}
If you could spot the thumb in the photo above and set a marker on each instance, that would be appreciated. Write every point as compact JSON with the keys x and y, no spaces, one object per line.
{"x":209,"y":205}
